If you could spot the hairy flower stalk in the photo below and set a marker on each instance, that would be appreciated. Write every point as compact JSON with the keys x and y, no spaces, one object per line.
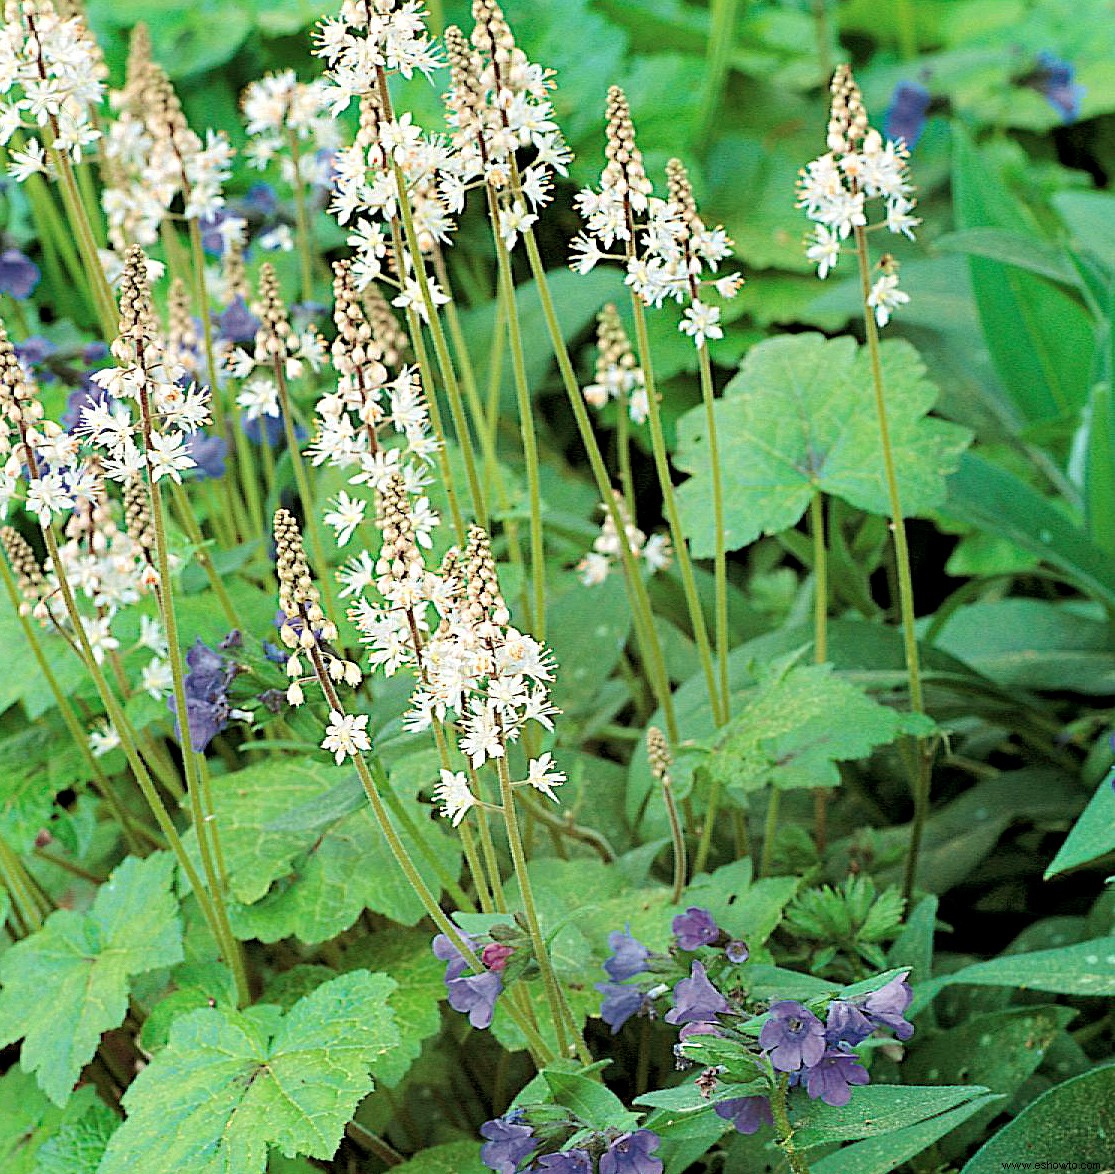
{"x":306,"y":632}
{"x":834,"y":190}
{"x":664,"y":247}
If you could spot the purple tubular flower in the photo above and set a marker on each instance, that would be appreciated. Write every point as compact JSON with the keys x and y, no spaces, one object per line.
{"x":507,"y":1143}
{"x":886,"y":1007}
{"x":268,"y":430}
{"x":695,"y":928}
{"x":620,"y":1003}
{"x":212,"y":239}
{"x":696,"y":999}
{"x":260,"y":200}
{"x":747,"y":1114}
{"x":1055,"y":80}
{"x":630,"y":1153}
{"x":629,"y":956}
{"x":18,"y":274}
{"x":905,"y":116}
{"x":206,"y":683}
{"x":88,"y":395}
{"x":832,"y":1078}
{"x":237,"y":323}
{"x":737,"y":952}
{"x":567,"y":1162}
{"x":846,"y":1023}
{"x":34,"y":350}
{"x":793,"y":1036}
{"x":209,"y":452}
{"x":471,"y":994}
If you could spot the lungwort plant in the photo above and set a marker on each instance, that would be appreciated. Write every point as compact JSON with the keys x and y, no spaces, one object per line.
{"x":487,"y":687}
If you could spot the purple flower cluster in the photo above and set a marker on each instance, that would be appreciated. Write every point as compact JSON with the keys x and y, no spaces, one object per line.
{"x":907,"y":112}
{"x":207,"y":707}
{"x":473,"y":994}
{"x":511,"y":1145}
{"x":1055,"y":80}
{"x":18,"y":275}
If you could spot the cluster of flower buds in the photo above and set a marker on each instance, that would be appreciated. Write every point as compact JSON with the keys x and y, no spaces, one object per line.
{"x":607,"y":550}
{"x":618,"y":374}
{"x":308,"y":632}
{"x":356,"y":421}
{"x":498,"y":107}
{"x":834,"y":190}
{"x":51,"y":80}
{"x":276,"y":345}
{"x":663,"y":244}
{"x":278,"y":106}
{"x":149,"y":398}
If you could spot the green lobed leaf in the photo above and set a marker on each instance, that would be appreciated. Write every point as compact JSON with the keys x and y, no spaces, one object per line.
{"x":797,"y":724}
{"x":80,"y":964}
{"x":314,"y":880}
{"x":457,"y":1157}
{"x":876,"y":1110}
{"x":799,"y":419}
{"x":596,"y":1106}
{"x":79,"y":1145}
{"x":1087,"y":968}
{"x":1074,"y":1121}
{"x":28,"y":1120}
{"x":1093,"y":834}
{"x":221,"y":1093}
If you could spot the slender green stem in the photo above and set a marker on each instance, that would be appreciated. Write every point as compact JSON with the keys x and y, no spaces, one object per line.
{"x":720,"y":561}
{"x":770,"y":831}
{"x":678,"y":837}
{"x":623,"y":456}
{"x":669,"y":500}
{"x":907,"y":29}
{"x":644,"y":621}
{"x":569,"y":828}
{"x":69,"y":716}
{"x":538,"y":943}
{"x":537,"y":1045}
{"x":923,"y":769}
{"x":20,"y":886}
{"x":820,"y":641}
{"x":718,"y":56}
{"x":704,"y":844}
{"x":781,"y":1115}
{"x":820,"y":579}
{"x":128,"y":744}
{"x":185,"y":515}
{"x":526,"y":423}
{"x":208,"y":843}
{"x":301,"y":217}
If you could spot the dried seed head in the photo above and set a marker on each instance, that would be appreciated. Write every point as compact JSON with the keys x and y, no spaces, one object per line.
{"x":625,"y":173}
{"x":658,"y":754}
{"x":274,"y":335}
{"x":848,"y":121}
{"x":32,"y":585}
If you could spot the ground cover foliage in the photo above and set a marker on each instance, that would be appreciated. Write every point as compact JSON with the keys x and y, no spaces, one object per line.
{"x":559,"y":575}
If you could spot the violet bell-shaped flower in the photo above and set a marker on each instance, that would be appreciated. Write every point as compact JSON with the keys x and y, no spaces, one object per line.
{"x":631,"y":1153}
{"x":471,"y":994}
{"x":695,"y":928}
{"x":696,"y":999}
{"x":793,"y":1036}
{"x":747,"y":1114}
{"x":574,"y":1161}
{"x":832,"y":1077}
{"x":620,"y":1003}
{"x":508,"y":1142}
{"x":629,"y":956}
{"x":906,"y":115}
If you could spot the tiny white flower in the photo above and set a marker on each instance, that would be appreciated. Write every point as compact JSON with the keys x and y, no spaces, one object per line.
{"x":454,"y":795}
{"x":346,"y":735}
{"x":347,"y":513}
{"x":542,"y":776}
{"x":701,"y":323}
{"x":886,"y":297}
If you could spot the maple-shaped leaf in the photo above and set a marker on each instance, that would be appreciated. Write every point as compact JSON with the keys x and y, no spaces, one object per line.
{"x":797,"y":724}
{"x":305,"y":857}
{"x":65,"y":985}
{"x":799,"y":418}
{"x":226,"y":1089}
